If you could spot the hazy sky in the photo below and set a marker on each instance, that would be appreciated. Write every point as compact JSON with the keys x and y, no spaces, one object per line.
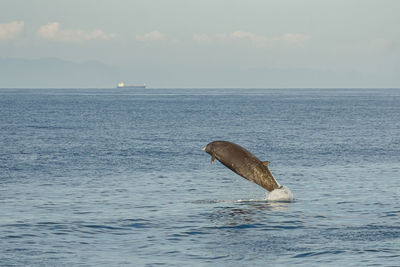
{"x":186,"y":37}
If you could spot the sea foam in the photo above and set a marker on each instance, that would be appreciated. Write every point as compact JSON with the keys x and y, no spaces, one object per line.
{"x":282,"y":194}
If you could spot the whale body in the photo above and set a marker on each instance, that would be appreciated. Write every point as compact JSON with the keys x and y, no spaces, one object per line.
{"x":242,"y":162}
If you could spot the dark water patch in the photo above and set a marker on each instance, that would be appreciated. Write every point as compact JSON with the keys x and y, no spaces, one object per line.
{"x":344,"y":202}
{"x":136,"y":223}
{"x":50,"y":127}
{"x":320,"y":217}
{"x":16,"y":225}
{"x":370,"y":233}
{"x":20,"y":236}
{"x":196,"y":233}
{"x":389,"y":256}
{"x":287,"y":227}
{"x":318,"y":253}
{"x":83,"y":212}
{"x":102,"y":227}
{"x":392,"y":214}
{"x":240,"y":226}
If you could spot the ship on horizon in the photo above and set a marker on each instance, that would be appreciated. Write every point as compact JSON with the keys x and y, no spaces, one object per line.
{"x":131,"y":86}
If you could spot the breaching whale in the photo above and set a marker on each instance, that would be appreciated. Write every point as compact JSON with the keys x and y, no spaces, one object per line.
{"x":242,"y":162}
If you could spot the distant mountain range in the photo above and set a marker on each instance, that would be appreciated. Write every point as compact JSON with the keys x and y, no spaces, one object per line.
{"x":56,"y":73}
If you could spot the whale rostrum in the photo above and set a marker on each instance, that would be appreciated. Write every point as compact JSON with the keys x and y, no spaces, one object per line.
{"x":243,"y":163}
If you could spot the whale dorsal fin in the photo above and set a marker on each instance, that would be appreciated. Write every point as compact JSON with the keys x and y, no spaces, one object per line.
{"x":266,"y":163}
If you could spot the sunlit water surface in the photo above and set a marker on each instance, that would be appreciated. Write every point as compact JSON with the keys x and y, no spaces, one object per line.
{"x":115,"y":177}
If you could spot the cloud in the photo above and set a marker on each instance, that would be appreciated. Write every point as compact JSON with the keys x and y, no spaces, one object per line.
{"x":11,"y":30}
{"x":294,"y":38}
{"x":291,"y":39}
{"x":151,"y":36}
{"x":203,"y":38}
{"x":52,"y":32}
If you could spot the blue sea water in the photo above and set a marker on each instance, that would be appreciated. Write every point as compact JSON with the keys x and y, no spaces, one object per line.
{"x":93,"y":177}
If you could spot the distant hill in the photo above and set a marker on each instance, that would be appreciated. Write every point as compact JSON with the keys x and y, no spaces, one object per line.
{"x":56,"y":73}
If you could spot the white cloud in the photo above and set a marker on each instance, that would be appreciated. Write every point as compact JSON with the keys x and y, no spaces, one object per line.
{"x":203,"y":38}
{"x":11,"y":30}
{"x":151,"y":36}
{"x":291,"y":39}
{"x":294,"y":38}
{"x":52,"y":32}
{"x":156,"y":37}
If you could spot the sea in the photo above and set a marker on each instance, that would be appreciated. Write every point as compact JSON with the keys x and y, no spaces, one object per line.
{"x":117,"y":177}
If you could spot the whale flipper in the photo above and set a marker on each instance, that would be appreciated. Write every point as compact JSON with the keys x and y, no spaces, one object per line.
{"x":212,"y":158}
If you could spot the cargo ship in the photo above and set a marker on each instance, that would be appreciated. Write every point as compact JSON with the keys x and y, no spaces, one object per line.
{"x":131,"y":86}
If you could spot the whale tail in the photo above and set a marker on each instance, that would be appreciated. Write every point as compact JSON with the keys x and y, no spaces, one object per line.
{"x":272,"y":183}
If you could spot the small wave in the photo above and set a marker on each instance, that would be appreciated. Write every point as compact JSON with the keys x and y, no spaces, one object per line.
{"x":101,"y":227}
{"x":136,"y":223}
{"x":195,"y":233}
{"x":50,"y":127}
{"x":318,"y":253}
{"x":231,"y":201}
{"x":240,"y":226}
{"x":20,"y":236}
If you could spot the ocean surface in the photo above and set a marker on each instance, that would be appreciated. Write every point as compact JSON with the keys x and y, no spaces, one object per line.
{"x":107,"y":177}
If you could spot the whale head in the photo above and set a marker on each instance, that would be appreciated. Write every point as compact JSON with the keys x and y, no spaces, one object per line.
{"x":210,"y":149}
{"x":220,"y":150}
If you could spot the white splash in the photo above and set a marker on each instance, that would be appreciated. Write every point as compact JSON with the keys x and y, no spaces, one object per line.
{"x":282,"y":194}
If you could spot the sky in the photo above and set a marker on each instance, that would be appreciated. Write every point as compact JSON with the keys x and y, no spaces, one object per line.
{"x":214,"y":43}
